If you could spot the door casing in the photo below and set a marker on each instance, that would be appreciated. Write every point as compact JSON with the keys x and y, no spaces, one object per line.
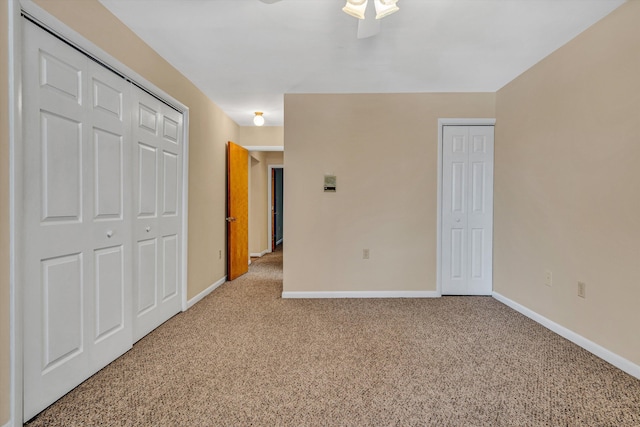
{"x":270,"y":199}
{"x":441,"y":123}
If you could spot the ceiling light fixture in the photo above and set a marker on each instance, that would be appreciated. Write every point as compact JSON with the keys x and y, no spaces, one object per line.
{"x":357,"y":8}
{"x":258,"y":120}
{"x":386,"y":8}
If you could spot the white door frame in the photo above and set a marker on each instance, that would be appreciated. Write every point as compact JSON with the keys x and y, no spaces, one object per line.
{"x":269,"y":213}
{"x":16,"y":158}
{"x":441,"y":124}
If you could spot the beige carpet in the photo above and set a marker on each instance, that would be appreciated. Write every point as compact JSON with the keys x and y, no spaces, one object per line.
{"x":243,"y":356}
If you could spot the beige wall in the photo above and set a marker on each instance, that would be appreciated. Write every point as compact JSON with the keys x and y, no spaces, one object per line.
{"x":209,"y":131}
{"x":262,"y":136}
{"x":275,"y":157}
{"x":4,"y":217}
{"x":383,"y":150}
{"x":259,"y":200}
{"x":567,"y":192}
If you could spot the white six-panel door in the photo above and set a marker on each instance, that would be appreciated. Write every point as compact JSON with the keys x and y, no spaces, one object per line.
{"x":77,"y":263}
{"x":158,"y":158}
{"x":101,"y":256}
{"x":467,"y":210}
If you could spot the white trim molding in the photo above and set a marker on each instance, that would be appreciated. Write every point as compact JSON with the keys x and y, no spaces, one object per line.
{"x":361,"y":294}
{"x":259,"y":254}
{"x":596,"y":349}
{"x":15,"y":210}
{"x":193,"y":301}
{"x":263,"y":147}
{"x":441,"y":124}
{"x":467,"y":122}
{"x":185,"y":206}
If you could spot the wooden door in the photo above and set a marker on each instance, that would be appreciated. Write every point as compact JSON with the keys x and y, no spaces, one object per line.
{"x":237,"y":211}
{"x":467,"y":210}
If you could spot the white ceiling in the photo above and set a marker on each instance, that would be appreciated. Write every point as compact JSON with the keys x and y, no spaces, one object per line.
{"x":245,"y":54}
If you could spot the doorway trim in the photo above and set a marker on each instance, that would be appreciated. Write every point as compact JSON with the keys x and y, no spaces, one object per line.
{"x":441,"y":123}
{"x":16,"y":157}
{"x":269,"y":195}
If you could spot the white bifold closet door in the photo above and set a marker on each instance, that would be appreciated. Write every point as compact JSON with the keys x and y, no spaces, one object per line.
{"x":467,"y":210}
{"x":77,"y":242}
{"x":101,"y":248}
{"x":157,"y":205}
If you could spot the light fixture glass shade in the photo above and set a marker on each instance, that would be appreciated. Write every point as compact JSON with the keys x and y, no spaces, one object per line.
{"x":258,"y":120}
{"x":385,"y":8}
{"x":355,"y":8}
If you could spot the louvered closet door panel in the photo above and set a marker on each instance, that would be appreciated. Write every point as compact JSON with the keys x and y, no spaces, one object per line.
{"x":157,"y":205}
{"x":77,"y":233}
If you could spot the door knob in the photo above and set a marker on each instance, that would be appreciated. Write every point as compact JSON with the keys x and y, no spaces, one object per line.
{"x":148,"y":229}
{"x":109,"y":233}
{"x":230,"y":219}
{"x":457,"y":219}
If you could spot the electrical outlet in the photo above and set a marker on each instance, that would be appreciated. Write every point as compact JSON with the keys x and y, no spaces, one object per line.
{"x":582,"y":289}
{"x":365,"y":254}
{"x":548,"y":278}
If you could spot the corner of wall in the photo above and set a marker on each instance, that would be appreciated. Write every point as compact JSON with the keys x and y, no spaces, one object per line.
{"x":566,"y":165}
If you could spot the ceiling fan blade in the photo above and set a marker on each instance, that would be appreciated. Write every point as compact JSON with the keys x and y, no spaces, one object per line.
{"x":368,"y":27}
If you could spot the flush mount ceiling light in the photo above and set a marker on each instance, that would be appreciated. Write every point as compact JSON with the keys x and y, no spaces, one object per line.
{"x":258,"y":120}
{"x":357,"y":8}
{"x":385,"y":8}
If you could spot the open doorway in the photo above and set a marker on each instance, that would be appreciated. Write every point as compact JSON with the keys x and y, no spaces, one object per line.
{"x":276,"y":206}
{"x":261,"y":182}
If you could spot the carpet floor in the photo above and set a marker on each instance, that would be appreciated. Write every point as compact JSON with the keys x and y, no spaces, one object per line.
{"x":244,"y":356}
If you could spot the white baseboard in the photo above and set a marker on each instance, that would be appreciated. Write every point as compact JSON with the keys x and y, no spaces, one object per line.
{"x":259,"y":255}
{"x":263,"y":147}
{"x":279,"y":241}
{"x":363,"y":294}
{"x":8,"y":424}
{"x":204,"y":293}
{"x":596,"y":349}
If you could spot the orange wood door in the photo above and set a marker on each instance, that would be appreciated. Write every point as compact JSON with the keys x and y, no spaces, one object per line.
{"x":237,"y":211}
